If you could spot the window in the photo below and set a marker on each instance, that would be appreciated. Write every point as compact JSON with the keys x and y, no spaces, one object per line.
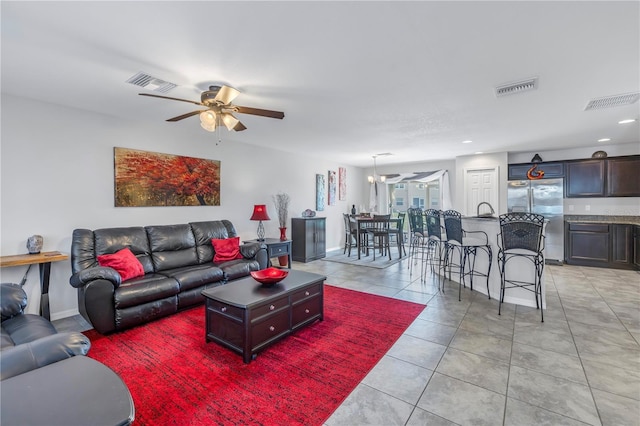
{"x":399,"y":186}
{"x":399,"y":203}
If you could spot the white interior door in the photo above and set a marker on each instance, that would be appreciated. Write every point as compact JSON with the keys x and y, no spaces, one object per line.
{"x":480,"y":185}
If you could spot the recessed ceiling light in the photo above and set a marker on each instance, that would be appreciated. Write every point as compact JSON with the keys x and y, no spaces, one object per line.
{"x":604,"y":140}
{"x":467,"y":141}
{"x":630,"y":120}
{"x":479,"y":152}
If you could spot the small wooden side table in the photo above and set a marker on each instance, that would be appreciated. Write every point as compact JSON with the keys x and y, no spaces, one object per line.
{"x":43,"y":260}
{"x":276,"y":248}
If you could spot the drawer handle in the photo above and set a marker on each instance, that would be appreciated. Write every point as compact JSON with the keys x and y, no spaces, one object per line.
{"x":271,"y":308}
{"x":306,"y":293}
{"x":272,"y":328}
{"x":306,"y":311}
{"x":223,"y":309}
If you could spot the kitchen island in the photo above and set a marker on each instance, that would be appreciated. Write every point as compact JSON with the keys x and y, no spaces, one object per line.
{"x":517,"y":269}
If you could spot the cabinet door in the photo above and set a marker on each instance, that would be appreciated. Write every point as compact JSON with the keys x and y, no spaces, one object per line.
{"x":622,"y":244}
{"x":622,"y":177}
{"x":588,"y":244}
{"x":636,"y":246}
{"x":321,"y":243}
{"x":585,"y":178}
{"x":551,"y":170}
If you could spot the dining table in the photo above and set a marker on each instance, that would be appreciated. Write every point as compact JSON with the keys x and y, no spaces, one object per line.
{"x":364,"y":222}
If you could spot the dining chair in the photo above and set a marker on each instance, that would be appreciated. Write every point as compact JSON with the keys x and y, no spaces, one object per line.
{"x":396,"y":233}
{"x":379,"y":231}
{"x":467,"y":244}
{"x":350,"y":234}
{"x":521,"y":237}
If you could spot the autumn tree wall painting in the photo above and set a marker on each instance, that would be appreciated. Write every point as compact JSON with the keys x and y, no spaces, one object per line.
{"x":145,"y":179}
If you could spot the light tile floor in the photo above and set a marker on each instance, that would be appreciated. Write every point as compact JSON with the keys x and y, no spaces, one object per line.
{"x":461,"y":363}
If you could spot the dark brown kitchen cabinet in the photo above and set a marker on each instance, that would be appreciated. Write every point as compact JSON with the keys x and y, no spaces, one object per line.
{"x":636,"y":246}
{"x":585,"y":178}
{"x":623,"y":176}
{"x":551,"y":170}
{"x":309,"y":238}
{"x":608,"y":245}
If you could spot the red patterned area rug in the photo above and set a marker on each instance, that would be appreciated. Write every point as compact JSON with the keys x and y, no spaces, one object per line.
{"x":176,"y":378}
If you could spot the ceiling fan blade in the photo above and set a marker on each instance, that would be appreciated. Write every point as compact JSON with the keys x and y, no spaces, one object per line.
{"x":187,"y":115}
{"x":239,"y":127}
{"x":173,"y":99}
{"x":260,"y":112}
{"x":226,"y":94}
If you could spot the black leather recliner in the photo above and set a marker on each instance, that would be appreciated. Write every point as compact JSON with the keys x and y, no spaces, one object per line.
{"x":178,"y":265}
{"x":30,"y":341}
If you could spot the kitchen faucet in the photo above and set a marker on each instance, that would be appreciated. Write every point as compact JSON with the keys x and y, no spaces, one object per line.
{"x":485,"y":214}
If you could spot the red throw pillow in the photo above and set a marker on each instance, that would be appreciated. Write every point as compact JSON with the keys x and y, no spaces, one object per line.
{"x":123,"y":261}
{"x":227,"y":249}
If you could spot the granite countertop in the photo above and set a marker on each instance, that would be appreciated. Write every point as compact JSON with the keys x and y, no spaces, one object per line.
{"x":624,"y":220}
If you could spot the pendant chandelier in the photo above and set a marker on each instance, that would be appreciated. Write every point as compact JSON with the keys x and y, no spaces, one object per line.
{"x":376,"y":178}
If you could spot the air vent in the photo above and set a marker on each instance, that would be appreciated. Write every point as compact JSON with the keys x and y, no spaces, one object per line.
{"x":151,"y":83}
{"x":612,"y":101}
{"x":517,"y":87}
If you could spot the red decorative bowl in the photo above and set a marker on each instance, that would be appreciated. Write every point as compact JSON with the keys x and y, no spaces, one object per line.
{"x":269,"y":276}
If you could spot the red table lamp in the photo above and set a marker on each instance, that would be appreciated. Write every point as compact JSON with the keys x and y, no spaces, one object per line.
{"x":260,"y":213}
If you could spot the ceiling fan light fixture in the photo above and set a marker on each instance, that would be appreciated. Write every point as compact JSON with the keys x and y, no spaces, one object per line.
{"x":208,"y":127}
{"x":208,"y":117}
{"x":229,"y":120}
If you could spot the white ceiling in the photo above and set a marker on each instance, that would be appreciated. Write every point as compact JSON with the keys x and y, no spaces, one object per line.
{"x":354,"y":78}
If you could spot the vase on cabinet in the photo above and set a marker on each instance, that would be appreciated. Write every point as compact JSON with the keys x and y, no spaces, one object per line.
{"x":283,"y":260}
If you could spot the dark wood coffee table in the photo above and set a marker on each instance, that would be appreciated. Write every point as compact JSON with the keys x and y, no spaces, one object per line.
{"x":246,"y":316}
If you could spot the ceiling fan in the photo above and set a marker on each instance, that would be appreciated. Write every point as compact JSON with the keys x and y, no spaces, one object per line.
{"x":219,"y":109}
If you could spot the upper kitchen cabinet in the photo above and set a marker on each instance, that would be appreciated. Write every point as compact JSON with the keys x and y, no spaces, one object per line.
{"x":611,"y":177}
{"x":585,"y":178}
{"x":623,"y":176}
{"x":551,"y":170}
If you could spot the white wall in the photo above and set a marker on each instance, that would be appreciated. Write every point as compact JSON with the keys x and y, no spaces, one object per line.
{"x":57,"y":175}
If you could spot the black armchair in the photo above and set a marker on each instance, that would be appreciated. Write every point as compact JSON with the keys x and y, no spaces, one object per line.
{"x":30,"y":341}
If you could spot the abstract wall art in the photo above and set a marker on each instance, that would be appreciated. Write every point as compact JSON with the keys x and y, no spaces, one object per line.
{"x":342,"y":183}
{"x":146,"y":179}
{"x":333,"y":183}
{"x":320,"y":189}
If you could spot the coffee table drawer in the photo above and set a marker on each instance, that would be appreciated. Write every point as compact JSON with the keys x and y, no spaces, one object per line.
{"x":269,"y":329}
{"x":269,"y":308}
{"x":305,"y":311}
{"x":225,"y":309}
{"x":307,"y":292}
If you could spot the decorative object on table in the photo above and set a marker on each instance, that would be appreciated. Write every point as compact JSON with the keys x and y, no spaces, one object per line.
{"x":536,"y":159}
{"x":270,"y":276}
{"x":260,"y":214}
{"x":342,"y":183}
{"x":533,"y":174}
{"x":320,"y":187}
{"x":34,"y":244}
{"x":599,"y":154}
{"x":281,"y":201}
{"x":353,"y":209}
{"x":308,"y":213}
{"x":331,"y":195}
{"x":146,"y":179}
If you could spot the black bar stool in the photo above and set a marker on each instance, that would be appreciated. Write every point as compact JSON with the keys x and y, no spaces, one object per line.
{"x":467,"y":244}
{"x":435,"y":242}
{"x":418,"y":239}
{"x":521,"y":237}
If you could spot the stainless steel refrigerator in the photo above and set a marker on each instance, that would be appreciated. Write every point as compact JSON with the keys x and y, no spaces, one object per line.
{"x":545,"y":197}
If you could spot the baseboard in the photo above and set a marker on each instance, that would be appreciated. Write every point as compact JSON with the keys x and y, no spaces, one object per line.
{"x":64,"y":314}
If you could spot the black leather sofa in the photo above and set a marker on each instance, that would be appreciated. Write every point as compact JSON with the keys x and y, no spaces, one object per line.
{"x":29,"y":342}
{"x":178,"y":265}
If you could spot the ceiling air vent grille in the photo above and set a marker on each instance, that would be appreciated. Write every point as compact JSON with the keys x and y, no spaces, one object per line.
{"x":151,"y":83}
{"x":612,"y":101}
{"x":517,"y":87}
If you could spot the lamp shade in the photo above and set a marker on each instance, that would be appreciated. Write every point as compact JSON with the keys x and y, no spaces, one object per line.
{"x":260,"y":212}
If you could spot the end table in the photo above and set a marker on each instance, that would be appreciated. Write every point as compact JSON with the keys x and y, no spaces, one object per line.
{"x":276,"y":248}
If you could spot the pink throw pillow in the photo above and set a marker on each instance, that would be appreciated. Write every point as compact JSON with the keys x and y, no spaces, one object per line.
{"x":123,"y":261}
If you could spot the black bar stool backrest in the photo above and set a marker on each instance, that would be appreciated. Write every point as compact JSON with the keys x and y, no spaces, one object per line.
{"x":453,"y":225}
{"x":434,"y":227}
{"x":521,"y":231}
{"x":416,"y":222}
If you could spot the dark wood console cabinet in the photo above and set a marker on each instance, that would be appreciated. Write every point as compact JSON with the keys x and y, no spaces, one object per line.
{"x":309,"y":238}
